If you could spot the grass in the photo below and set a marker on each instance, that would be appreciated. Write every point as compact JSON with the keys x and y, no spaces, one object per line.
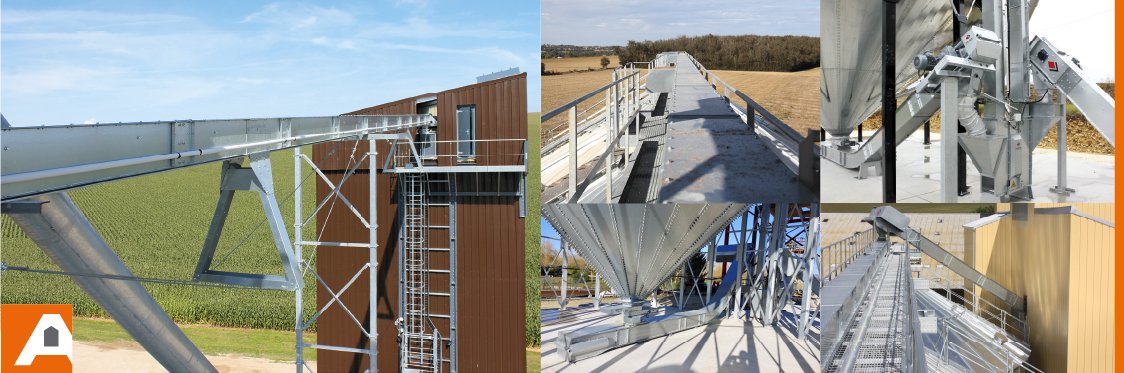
{"x":534,"y":360}
{"x":531,"y":238}
{"x":792,"y":97}
{"x":157,"y":225}
{"x":267,"y":344}
{"x":559,"y":90}
{"x":570,"y":64}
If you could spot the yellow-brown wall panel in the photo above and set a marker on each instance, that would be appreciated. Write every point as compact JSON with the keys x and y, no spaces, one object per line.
{"x":1092,"y":292}
{"x":1064,"y":265}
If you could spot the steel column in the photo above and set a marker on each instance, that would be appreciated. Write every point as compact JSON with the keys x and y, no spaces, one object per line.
{"x":72,"y":243}
{"x":889,"y":102}
{"x":709,"y":270}
{"x":1062,"y":188}
{"x":372,"y":251}
{"x":298,"y":253}
{"x":572,"y":180}
{"x":565,"y":278}
{"x":949,"y":143}
{"x":743,"y":239}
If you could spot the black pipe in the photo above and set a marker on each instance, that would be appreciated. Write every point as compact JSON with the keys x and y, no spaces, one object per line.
{"x":889,"y":102}
{"x":860,"y":132}
{"x":961,"y":155}
{"x":928,"y":128}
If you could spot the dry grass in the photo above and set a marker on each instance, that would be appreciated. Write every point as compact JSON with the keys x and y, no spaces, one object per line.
{"x":565,"y":65}
{"x":558,"y":90}
{"x":1081,"y":136}
{"x":792,"y":97}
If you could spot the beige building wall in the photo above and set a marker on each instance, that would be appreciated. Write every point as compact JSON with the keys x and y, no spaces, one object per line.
{"x":1063,"y":264}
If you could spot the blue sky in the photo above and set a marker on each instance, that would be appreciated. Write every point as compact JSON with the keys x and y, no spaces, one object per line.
{"x":81,"y":61}
{"x":597,"y":22}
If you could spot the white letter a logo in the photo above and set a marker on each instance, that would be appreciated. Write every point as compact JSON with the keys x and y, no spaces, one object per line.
{"x":51,"y":337}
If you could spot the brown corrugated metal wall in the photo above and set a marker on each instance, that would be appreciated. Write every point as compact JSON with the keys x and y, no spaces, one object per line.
{"x":490,"y":237}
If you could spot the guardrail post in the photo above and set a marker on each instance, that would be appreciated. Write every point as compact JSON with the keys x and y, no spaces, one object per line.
{"x":572,"y":189}
{"x":750,"y":117}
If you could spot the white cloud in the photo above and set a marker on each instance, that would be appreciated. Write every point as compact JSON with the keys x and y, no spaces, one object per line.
{"x":90,"y":121}
{"x":300,"y":16}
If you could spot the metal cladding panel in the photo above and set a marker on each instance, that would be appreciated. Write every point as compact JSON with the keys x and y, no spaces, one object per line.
{"x":1064,"y":265}
{"x":851,"y":54}
{"x":501,"y":114}
{"x":490,"y":254}
{"x":1092,"y":292}
{"x":338,"y":155}
{"x":490,"y":287}
{"x":636,"y":247}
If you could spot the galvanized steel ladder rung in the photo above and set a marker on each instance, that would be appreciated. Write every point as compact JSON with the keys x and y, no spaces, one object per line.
{"x":422,"y":343}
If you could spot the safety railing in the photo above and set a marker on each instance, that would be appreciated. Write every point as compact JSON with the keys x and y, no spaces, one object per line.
{"x":488,"y":152}
{"x":789,"y":136}
{"x":996,"y":315}
{"x":583,"y":132}
{"x":837,"y":256}
{"x":913,"y":344}
{"x":971,"y":358}
{"x":589,"y":109}
{"x":833,"y":332}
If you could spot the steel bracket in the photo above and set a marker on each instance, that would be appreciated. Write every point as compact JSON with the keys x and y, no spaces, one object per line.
{"x":258,"y":177}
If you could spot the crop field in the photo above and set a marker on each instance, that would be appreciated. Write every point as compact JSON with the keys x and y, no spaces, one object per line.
{"x":792,"y":97}
{"x":531,"y":239}
{"x":557,"y":90}
{"x":157,"y":224}
{"x":570,"y":64}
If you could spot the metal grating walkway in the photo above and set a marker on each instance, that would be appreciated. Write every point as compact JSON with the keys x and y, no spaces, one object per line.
{"x":873,"y":341}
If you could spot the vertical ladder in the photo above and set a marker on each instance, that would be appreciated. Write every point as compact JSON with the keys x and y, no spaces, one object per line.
{"x":422,"y":345}
{"x":419,"y":350}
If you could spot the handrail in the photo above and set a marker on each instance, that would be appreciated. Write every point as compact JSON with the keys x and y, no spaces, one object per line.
{"x":833,"y":332}
{"x":561,"y":109}
{"x":778,"y":126}
{"x":913,"y":346}
{"x":839,"y":254}
{"x":1003,"y":319}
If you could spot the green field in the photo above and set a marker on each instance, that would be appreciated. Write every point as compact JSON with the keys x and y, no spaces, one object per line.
{"x":157,"y":224}
{"x":268,"y":344}
{"x":532,"y":237}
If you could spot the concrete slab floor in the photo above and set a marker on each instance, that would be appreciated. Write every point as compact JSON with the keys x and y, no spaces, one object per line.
{"x":729,"y":345}
{"x":1092,"y":175}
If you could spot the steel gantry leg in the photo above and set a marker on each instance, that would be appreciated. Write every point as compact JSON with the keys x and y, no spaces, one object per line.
{"x":740,"y":257}
{"x":949,"y":142}
{"x":298,"y":254}
{"x":372,"y":255}
{"x":58,"y":227}
{"x":811,"y":275}
{"x":565,"y":278}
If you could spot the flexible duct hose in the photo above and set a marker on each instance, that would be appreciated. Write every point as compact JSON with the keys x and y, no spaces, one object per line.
{"x":969,"y":114}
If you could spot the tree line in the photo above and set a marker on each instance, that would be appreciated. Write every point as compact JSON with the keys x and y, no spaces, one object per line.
{"x":738,"y":52}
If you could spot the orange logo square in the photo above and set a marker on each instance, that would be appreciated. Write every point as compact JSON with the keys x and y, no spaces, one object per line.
{"x":36,"y":338}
